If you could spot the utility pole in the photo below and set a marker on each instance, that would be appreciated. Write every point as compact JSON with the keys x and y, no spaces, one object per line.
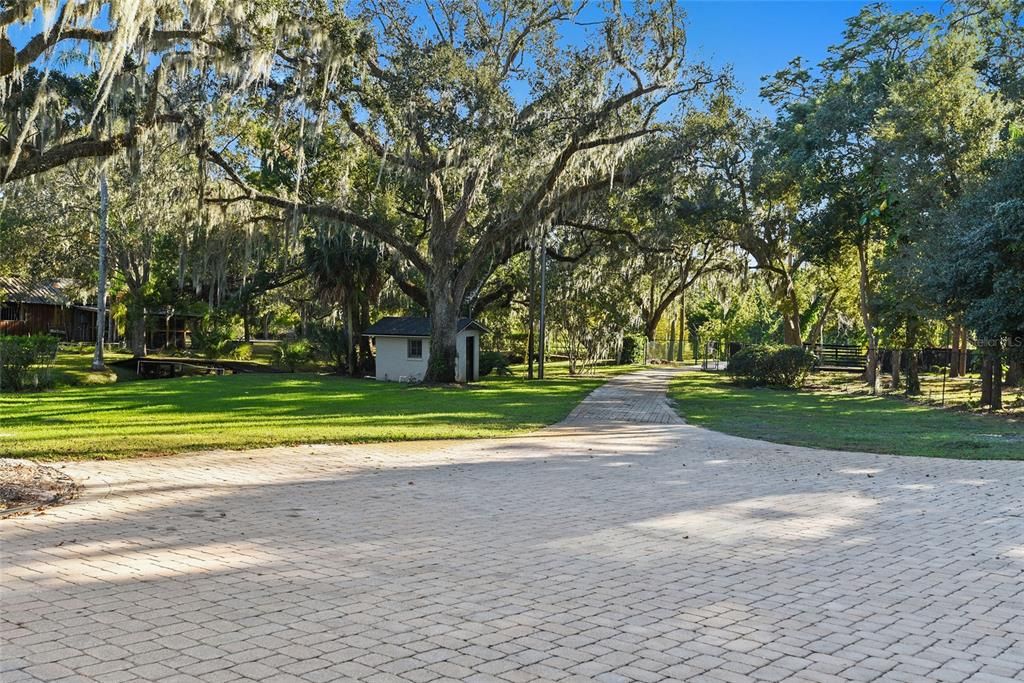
{"x":533,"y":299}
{"x":543,"y":303}
{"x":101,"y":287}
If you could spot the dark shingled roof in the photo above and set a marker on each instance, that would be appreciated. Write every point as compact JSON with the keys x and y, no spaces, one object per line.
{"x":22,"y":291}
{"x":412,"y":327}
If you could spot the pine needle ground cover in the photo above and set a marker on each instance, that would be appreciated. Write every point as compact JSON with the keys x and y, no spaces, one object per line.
{"x":872,"y":424}
{"x":149,"y":417}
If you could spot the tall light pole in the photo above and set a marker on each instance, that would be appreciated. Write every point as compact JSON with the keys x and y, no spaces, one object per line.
{"x":543,"y":303}
{"x":101,"y":287}
{"x":532,"y":309}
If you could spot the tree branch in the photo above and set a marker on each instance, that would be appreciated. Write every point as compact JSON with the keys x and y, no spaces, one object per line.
{"x":41,"y":42}
{"x":327,"y":212}
{"x":82,"y":148}
{"x":376,"y":145}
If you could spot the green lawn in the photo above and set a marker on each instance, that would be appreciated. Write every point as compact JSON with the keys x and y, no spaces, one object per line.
{"x":244,"y":411}
{"x":74,"y":369}
{"x":844,"y":422}
{"x":959,"y":392}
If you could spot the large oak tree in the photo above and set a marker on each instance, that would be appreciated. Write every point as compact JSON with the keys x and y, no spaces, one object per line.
{"x":482,"y":123}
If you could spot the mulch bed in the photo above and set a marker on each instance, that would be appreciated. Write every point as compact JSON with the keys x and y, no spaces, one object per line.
{"x":27,"y":486}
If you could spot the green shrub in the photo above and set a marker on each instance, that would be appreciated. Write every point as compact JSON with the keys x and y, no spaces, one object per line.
{"x":746,"y":363}
{"x":25,"y":362}
{"x":242,"y":351}
{"x":771,"y":365}
{"x":496,"y":362}
{"x":790,"y":364}
{"x":214,"y":336}
{"x":330,"y":344}
{"x":225,"y":348}
{"x":290,"y":355}
{"x":634,"y":350}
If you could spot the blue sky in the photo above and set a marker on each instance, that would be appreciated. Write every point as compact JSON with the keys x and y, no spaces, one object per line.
{"x":759,"y":37}
{"x":756,"y":37}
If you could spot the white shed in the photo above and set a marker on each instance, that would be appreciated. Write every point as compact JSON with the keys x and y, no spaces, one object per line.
{"x":403,"y":348}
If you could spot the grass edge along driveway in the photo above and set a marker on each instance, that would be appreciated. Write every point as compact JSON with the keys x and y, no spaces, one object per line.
{"x":158,"y":417}
{"x":843,"y":422}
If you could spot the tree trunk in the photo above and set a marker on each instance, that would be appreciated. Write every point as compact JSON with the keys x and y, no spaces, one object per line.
{"x":986,"y":378}
{"x":871,"y":371}
{"x":366,"y":363}
{"x":650,"y":327}
{"x":913,"y":374}
{"x":682,"y":327}
{"x":789,"y":307}
{"x":350,"y":338}
{"x":101,"y":288}
{"x":657,"y":309}
{"x":791,"y":333}
{"x":896,"y":359}
{"x":444,"y":316}
{"x":818,"y":331}
{"x":954,"y":354}
{"x":871,"y":374}
{"x":138,"y":330}
{"x":671,"y":340}
{"x":997,"y":380}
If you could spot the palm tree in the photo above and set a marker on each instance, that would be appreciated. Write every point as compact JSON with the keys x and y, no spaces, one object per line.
{"x":348,"y":273}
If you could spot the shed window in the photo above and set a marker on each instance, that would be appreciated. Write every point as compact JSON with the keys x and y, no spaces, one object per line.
{"x":9,"y":311}
{"x":415,"y":348}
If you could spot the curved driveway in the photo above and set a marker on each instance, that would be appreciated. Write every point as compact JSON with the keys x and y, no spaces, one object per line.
{"x":619,"y":545}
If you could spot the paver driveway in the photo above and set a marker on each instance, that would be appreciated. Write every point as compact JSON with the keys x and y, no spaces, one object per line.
{"x":620,"y":545}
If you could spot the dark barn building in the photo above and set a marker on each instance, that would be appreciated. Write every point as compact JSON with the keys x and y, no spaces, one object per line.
{"x":46,"y":308}
{"x":167,"y":328}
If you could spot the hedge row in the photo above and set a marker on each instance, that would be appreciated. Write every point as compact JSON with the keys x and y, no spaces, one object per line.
{"x":771,"y":365}
{"x":25,"y":361}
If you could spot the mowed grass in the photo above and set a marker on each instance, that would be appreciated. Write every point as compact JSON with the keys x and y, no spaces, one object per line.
{"x":247,"y":411}
{"x":74,"y":369}
{"x":844,"y":422}
{"x":959,"y":392}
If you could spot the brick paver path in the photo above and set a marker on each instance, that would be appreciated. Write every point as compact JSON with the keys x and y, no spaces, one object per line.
{"x":620,"y":545}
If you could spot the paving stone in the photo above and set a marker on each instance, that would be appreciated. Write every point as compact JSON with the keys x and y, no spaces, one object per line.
{"x":621,"y":544}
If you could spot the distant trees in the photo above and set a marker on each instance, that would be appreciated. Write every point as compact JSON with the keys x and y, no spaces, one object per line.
{"x":661,"y":236}
{"x":982,"y":271}
{"x":348,"y":273}
{"x":328,"y":162}
{"x":883,"y":142}
{"x":753,"y":197}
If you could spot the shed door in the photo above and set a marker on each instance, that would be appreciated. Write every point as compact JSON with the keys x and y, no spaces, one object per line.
{"x":470,"y":357}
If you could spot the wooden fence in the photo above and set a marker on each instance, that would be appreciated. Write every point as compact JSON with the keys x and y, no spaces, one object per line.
{"x":843,"y":357}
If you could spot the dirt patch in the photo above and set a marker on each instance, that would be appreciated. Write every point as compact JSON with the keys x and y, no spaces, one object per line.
{"x":26,"y":486}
